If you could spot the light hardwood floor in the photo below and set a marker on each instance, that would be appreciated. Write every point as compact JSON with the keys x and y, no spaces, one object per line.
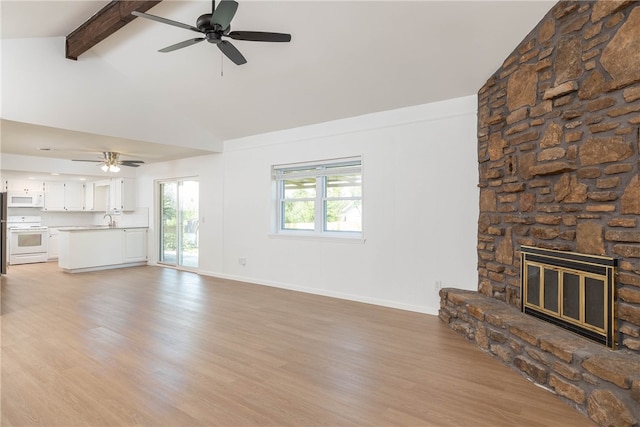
{"x":152,"y":346}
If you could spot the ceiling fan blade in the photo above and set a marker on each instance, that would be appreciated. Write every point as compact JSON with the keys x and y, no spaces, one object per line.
{"x":231,"y":52}
{"x":224,"y":13}
{"x":259,"y":36}
{"x":165,"y":21}
{"x":131,"y":163}
{"x":181,"y":45}
{"x":93,"y":161}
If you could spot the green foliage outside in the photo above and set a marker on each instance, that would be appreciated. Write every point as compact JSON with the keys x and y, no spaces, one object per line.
{"x":301,"y":214}
{"x":169,"y":219}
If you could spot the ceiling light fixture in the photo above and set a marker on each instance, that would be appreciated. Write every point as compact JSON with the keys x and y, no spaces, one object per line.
{"x":110,"y":163}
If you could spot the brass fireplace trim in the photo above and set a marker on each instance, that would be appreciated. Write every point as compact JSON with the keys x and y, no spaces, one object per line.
{"x":587,"y":269}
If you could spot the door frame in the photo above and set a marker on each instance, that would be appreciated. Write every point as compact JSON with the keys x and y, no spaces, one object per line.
{"x":159,"y":212}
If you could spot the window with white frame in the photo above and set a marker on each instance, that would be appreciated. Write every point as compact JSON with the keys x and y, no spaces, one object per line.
{"x":322,"y":198}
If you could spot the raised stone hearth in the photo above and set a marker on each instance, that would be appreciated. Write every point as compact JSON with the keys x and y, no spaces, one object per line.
{"x":599,"y":382}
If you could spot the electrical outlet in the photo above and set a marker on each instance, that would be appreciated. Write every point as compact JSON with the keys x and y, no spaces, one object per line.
{"x":438,"y":285}
{"x":242,"y":261}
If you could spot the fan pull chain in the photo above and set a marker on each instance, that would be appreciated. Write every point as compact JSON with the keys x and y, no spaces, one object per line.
{"x":221,"y":65}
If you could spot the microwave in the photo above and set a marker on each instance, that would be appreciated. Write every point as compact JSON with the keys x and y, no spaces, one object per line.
{"x":20,"y":199}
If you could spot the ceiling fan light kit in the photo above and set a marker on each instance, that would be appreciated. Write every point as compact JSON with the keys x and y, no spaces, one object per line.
{"x":216,"y":25}
{"x":110,"y":168}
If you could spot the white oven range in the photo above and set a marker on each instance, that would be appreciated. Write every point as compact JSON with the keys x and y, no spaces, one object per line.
{"x":28,"y":240}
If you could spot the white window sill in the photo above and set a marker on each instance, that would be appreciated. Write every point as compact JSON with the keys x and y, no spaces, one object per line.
{"x":318,"y":237}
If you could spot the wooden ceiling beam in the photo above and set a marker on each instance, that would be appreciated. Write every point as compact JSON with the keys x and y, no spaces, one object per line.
{"x":105,"y":22}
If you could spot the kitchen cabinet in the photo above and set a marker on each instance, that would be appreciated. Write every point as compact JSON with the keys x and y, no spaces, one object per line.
{"x":54,"y":196}
{"x":23,"y":185}
{"x":114,"y":195}
{"x":64,"y":196}
{"x":135,"y":244}
{"x":123,"y":194}
{"x":54,"y":237}
{"x":73,"y":196}
{"x":100,"y":248}
{"x":88,"y":197}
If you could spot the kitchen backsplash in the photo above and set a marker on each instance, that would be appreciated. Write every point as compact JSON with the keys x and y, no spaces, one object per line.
{"x":137,"y":218}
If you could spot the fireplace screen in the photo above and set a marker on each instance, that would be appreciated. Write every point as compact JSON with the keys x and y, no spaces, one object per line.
{"x":574,"y":291}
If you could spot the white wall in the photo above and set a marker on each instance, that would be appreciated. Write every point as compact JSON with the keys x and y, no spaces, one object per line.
{"x":209,"y":170}
{"x":420,"y":207}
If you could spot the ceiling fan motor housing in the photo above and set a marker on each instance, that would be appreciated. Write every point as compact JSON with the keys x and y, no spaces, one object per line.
{"x":212,"y":33}
{"x":204,"y":23}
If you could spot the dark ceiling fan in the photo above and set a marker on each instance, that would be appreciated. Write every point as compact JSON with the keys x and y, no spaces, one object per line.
{"x":216,"y":25}
{"x":111,"y":162}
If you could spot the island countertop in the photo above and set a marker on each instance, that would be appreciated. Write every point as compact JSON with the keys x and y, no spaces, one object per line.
{"x":97,"y":227}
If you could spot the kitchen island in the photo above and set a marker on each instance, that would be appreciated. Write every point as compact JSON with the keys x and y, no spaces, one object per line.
{"x":101,"y":247}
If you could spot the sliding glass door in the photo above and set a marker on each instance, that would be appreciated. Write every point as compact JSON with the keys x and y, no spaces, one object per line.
{"x":179,"y":214}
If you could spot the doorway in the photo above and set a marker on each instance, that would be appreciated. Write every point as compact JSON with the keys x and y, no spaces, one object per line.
{"x":179,"y":223}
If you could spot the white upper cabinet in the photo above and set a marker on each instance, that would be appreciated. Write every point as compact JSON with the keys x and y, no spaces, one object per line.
{"x":123,"y":194}
{"x":89,"y":201}
{"x":74,"y":196}
{"x":54,"y":196}
{"x":64,"y":196}
{"x":23,"y":185}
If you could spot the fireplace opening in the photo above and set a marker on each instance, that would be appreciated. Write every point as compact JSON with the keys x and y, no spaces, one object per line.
{"x":574,"y":291}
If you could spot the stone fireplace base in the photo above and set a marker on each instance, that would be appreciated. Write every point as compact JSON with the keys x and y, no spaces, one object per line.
{"x":599,"y":382}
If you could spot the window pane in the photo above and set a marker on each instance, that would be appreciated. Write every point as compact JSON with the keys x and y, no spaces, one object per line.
{"x":551,"y":290}
{"x":343,"y":215}
{"x":571,"y":295}
{"x":298,"y":215}
{"x":344,"y":186}
{"x":188,"y":195}
{"x":301,"y":188}
{"x":594,"y":302}
{"x":533,"y":285}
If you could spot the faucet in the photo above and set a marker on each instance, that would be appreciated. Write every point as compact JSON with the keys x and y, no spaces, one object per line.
{"x":112,"y":223}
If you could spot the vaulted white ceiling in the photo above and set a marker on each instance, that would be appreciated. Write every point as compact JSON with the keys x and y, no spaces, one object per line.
{"x":345,"y":59}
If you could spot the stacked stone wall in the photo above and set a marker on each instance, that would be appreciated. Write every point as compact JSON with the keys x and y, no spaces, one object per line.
{"x":558,"y":151}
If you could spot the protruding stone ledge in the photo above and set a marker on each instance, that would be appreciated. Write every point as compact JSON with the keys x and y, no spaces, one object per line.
{"x":560,"y":90}
{"x":601,"y":383}
{"x":552,"y":168}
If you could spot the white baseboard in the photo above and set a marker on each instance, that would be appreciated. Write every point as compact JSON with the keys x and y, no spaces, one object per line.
{"x":315,"y":291}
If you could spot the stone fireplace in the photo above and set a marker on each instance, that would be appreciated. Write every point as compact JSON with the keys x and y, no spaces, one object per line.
{"x":558,"y":142}
{"x":559,"y":171}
